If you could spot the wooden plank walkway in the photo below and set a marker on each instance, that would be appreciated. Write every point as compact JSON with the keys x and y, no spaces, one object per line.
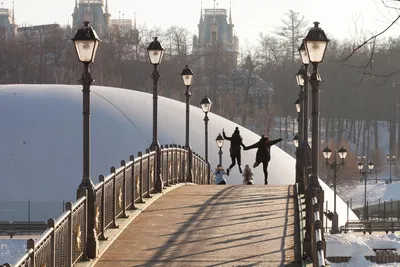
{"x":211,"y":226}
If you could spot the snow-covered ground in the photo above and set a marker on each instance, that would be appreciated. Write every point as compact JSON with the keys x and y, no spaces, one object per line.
{"x":358,"y":246}
{"x":375,"y":191}
{"x":11,"y":250}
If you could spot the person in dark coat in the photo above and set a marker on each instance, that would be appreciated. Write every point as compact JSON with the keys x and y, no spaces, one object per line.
{"x":263,"y":153}
{"x":235,"y":149}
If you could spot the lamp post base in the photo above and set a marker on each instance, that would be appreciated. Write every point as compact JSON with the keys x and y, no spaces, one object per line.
{"x":335,"y":224}
{"x":158,"y":183}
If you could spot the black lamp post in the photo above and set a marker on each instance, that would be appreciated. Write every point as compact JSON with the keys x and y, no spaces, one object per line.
{"x":187,"y":77}
{"x":220,"y":143}
{"x":304,"y":82}
{"x":206,"y":107}
{"x":390,"y":159}
{"x":86,"y":43}
{"x":312,"y":51}
{"x":156,"y":52}
{"x":296,"y":140}
{"x":335,"y":166}
{"x":316,"y":43}
{"x":364,"y":175}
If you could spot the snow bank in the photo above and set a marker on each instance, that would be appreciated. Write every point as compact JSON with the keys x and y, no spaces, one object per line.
{"x":358,"y":246}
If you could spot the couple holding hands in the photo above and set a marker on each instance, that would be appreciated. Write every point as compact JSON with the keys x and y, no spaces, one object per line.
{"x":263,"y":154}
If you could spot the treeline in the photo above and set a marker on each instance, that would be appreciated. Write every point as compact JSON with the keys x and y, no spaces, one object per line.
{"x":361,"y":88}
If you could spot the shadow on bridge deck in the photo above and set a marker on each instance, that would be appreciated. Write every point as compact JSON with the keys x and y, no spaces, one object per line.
{"x":211,"y":226}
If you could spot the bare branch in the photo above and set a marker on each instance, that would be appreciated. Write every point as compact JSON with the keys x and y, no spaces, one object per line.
{"x":370,"y":39}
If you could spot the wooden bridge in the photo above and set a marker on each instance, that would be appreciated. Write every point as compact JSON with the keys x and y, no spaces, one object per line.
{"x":203,"y":225}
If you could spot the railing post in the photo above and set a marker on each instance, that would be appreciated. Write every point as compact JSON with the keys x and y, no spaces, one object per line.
{"x":114,"y":201}
{"x":140,"y":154}
{"x":175,"y":164}
{"x":82,"y":192}
{"x":132,"y":158}
{"x":52,"y":223}
{"x":166,"y":172}
{"x":124,"y":215}
{"x":103,"y":208}
{"x":179,"y":165}
{"x":68,"y":207}
{"x":162,"y":151}
{"x":30,"y":244}
{"x":148,"y":151}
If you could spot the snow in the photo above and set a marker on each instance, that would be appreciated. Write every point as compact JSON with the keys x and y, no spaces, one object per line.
{"x":11,"y":250}
{"x":375,"y":191}
{"x":358,"y":246}
{"x":42,"y":143}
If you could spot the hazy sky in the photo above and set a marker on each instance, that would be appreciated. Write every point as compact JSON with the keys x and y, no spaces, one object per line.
{"x":249,"y":16}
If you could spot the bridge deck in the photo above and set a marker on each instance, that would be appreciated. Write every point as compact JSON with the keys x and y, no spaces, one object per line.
{"x":211,"y":226}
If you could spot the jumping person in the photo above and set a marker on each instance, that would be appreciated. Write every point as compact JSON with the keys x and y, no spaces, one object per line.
{"x":263,"y":153}
{"x":219,"y":175}
{"x":235,"y":149}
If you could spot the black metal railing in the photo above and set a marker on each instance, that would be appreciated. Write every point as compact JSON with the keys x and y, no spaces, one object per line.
{"x":65,"y":241}
{"x":317,"y":234}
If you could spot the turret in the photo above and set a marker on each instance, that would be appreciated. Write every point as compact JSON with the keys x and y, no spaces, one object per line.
{"x":107,"y":17}
{"x":200,"y":25}
{"x":230,"y":26}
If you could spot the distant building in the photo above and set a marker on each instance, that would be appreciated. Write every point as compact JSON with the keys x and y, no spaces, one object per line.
{"x":215,"y":32}
{"x":126,"y":29}
{"x":94,"y":11}
{"x":7,"y":21}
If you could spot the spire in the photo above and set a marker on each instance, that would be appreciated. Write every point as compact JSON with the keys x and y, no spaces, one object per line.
{"x":230,"y":12}
{"x":214,"y":8}
{"x":134,"y":20}
{"x":201,"y":13}
{"x":13,"y":14}
{"x":106,"y":6}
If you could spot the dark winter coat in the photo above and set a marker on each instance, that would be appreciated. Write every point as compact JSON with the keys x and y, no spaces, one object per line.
{"x":264,"y":147}
{"x":236,"y":143}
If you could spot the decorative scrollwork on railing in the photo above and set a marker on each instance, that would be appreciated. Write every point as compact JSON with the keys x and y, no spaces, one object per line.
{"x":97,"y":219}
{"x":120,"y":198}
{"x":137,"y":181}
{"x":77,"y":241}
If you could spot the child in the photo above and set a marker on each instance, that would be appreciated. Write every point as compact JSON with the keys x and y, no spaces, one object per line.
{"x":219,"y":175}
{"x":247,"y":176}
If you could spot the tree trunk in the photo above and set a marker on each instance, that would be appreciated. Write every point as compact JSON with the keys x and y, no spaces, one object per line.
{"x":327,"y":123}
{"x":376,"y":136}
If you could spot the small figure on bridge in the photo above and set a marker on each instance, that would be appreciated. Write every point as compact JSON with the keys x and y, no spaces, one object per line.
{"x":219,"y":175}
{"x":263,"y":153}
{"x":235,"y":149}
{"x":247,"y":175}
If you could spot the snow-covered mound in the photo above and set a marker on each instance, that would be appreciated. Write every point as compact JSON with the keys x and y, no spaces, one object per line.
{"x":375,"y":191}
{"x":41,"y":139}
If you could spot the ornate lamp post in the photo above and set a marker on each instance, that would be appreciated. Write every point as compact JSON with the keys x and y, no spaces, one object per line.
{"x":220,"y":143}
{"x":316,"y":43}
{"x":390,"y":159}
{"x":304,"y":82}
{"x":206,"y":107}
{"x":156,"y":52}
{"x":86,"y":43}
{"x":312,"y":51}
{"x":335,"y":166}
{"x":187,"y":77}
{"x":364,"y":174}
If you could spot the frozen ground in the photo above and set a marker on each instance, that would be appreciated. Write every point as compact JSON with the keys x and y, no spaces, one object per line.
{"x":358,"y":246}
